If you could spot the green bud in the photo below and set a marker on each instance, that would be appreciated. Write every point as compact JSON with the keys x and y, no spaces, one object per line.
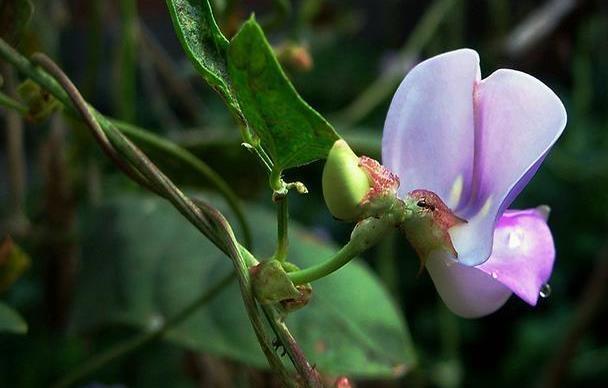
{"x":41,"y":104}
{"x":345,"y":183}
{"x":271,"y":283}
{"x":305,"y":290}
{"x":295,"y":57}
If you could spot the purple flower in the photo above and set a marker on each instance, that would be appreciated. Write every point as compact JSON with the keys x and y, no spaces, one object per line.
{"x":476,"y":144}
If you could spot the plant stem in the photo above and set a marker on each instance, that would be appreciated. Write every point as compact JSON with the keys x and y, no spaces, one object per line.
{"x":38,"y":75}
{"x":282,"y":232}
{"x":310,"y":377}
{"x":138,"y":134}
{"x":276,"y":182}
{"x":367,"y":233}
{"x":279,"y":196}
{"x":208,"y":220}
{"x":308,"y":373}
{"x":307,"y":275}
{"x":131,"y":160}
{"x":136,"y":342}
{"x":252,"y":142}
{"x":13,"y":104}
{"x":243,"y":260}
{"x":150,"y":139}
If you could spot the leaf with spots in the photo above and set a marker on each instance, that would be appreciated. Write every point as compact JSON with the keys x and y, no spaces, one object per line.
{"x":203,"y":42}
{"x":142,"y":263}
{"x":290,"y":130}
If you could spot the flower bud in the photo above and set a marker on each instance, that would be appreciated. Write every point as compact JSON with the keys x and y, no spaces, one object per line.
{"x":41,"y":104}
{"x":345,"y":183}
{"x":295,"y":57}
{"x":271,"y":283}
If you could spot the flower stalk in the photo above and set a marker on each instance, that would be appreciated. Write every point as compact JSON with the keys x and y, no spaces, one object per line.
{"x":282,"y":230}
{"x":365,"y":235}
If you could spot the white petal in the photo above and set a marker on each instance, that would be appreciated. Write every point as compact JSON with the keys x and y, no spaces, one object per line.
{"x":428,"y":138}
{"x":467,"y":291}
{"x":518,"y":119}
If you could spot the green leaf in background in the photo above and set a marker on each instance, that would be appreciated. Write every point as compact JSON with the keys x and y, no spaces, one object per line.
{"x":290,"y":130}
{"x":142,"y":263}
{"x":11,"y":321}
{"x":203,"y":42}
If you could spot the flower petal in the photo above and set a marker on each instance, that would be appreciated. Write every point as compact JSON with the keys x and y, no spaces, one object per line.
{"x":467,"y":291}
{"x":517,"y":120}
{"x":428,"y":138}
{"x":522,"y":254}
{"x":521,"y":262}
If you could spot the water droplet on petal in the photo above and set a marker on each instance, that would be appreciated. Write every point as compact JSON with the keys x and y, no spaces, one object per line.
{"x":494,"y":275}
{"x":545,"y":290}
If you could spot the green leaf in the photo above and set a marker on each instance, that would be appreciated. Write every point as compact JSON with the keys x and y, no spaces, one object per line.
{"x":11,"y":321}
{"x":291,"y":131}
{"x":203,"y":42}
{"x":142,"y":263}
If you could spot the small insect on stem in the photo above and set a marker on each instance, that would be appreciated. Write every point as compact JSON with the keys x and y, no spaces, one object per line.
{"x":425,"y":205}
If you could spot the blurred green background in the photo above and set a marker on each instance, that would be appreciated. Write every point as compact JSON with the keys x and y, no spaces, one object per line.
{"x":346,"y":58}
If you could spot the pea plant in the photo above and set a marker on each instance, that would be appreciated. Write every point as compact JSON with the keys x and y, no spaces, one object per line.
{"x":251,"y":285}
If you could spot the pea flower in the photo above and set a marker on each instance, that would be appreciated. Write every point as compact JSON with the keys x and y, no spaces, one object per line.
{"x":476,"y":144}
